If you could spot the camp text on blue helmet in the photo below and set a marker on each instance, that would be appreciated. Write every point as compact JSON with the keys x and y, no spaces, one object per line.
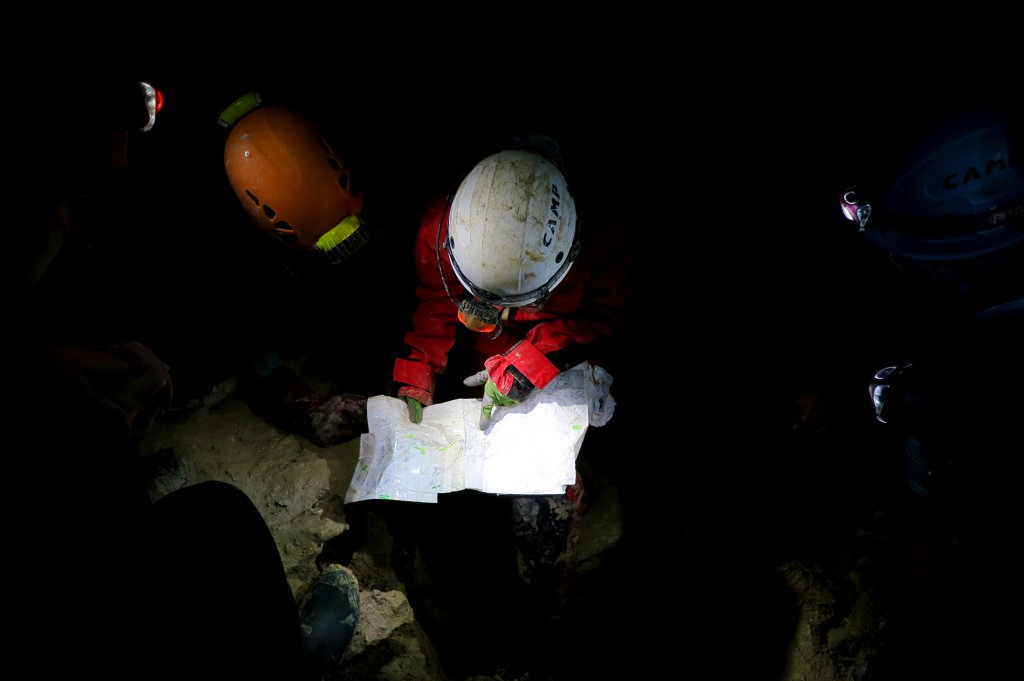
{"x":512,"y":235}
{"x":960,"y":195}
{"x":290,"y":179}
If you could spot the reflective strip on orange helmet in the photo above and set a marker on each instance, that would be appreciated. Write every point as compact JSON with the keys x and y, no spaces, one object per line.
{"x":239,"y":108}
{"x":344,"y":239}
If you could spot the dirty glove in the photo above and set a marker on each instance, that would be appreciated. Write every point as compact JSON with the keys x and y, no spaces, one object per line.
{"x":415,"y":409}
{"x":521,"y":370}
{"x":492,"y":398}
{"x":415,"y":385}
{"x":512,"y":377}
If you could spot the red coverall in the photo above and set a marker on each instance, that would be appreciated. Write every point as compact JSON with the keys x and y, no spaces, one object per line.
{"x":575,"y":324}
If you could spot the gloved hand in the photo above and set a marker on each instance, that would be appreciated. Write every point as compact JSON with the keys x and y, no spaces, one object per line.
{"x":415,"y":409}
{"x":414,"y":383}
{"x":510,"y":378}
{"x":492,"y":398}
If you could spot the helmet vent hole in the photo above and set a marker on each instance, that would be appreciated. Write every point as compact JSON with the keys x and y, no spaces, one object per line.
{"x":285,"y":231}
{"x":560,"y":257}
{"x":269,"y":212}
{"x":333,"y":162}
{"x":251,"y":196}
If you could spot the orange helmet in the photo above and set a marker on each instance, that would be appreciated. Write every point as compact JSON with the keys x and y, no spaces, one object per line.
{"x":290,"y":179}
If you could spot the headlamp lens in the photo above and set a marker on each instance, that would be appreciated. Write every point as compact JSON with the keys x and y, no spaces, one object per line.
{"x":478,"y":316}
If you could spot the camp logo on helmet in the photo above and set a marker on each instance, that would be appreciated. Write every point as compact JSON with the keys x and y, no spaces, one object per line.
{"x":554,"y":217}
{"x":957,"y":180}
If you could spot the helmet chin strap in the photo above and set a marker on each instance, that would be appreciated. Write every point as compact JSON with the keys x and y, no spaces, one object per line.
{"x":476,"y":315}
{"x":438,"y":247}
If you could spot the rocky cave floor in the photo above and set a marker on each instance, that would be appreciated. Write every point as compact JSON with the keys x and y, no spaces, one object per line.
{"x":652,"y":593}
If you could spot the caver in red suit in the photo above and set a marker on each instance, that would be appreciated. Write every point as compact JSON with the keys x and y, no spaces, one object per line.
{"x":542,"y":294}
{"x":506,"y":271}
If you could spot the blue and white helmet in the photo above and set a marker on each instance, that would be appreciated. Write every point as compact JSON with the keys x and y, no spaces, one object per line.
{"x":959,"y":195}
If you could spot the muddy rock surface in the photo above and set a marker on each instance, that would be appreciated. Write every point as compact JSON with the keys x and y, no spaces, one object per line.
{"x":825,"y":622}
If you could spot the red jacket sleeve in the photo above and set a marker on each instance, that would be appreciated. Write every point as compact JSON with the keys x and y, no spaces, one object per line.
{"x":586,"y":310}
{"x":575,"y":324}
{"x":435,"y":319}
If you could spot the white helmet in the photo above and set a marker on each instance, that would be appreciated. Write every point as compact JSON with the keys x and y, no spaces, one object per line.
{"x":512,"y":232}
